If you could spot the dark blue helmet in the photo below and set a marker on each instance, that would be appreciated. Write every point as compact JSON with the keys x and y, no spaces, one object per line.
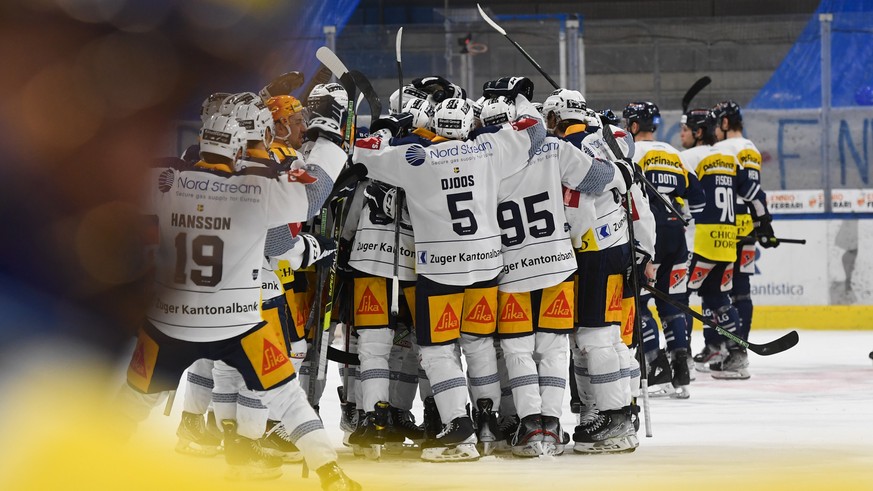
{"x":644,"y":113}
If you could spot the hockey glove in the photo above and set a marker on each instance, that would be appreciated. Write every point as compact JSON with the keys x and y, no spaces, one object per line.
{"x":645,"y":268}
{"x":326,"y":128}
{"x":397,"y":124}
{"x":381,"y":199}
{"x":318,"y":249}
{"x":344,"y":254}
{"x":509,"y":87}
{"x":438,"y":88}
{"x":764,"y":232}
{"x":611,"y":117}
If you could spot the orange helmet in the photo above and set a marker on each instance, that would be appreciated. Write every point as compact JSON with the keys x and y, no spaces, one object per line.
{"x":283,"y":106}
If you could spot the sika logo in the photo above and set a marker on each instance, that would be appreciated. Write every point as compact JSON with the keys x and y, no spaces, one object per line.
{"x":560,"y":308}
{"x":415,"y":155}
{"x":513,"y":311}
{"x":137,"y":363}
{"x":165,"y":180}
{"x":481,"y":313}
{"x":369,"y":305}
{"x":448,"y":320}
{"x":273,"y":358}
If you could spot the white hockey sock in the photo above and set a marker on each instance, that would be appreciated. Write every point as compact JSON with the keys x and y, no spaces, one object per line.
{"x":374,"y":346}
{"x":443,"y":368}
{"x":228,"y":383}
{"x":604,"y":367}
{"x":404,"y":374}
{"x":198,"y":387}
{"x":298,"y":353}
{"x":624,"y":360}
{"x":552,"y":352}
{"x":481,"y":360}
{"x":583,"y":381}
{"x":303,"y":425}
{"x":522,"y":371}
{"x":251,"y":414}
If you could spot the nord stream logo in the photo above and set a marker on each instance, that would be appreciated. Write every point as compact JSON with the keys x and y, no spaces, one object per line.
{"x":415,"y":155}
{"x":442,"y":151}
{"x":165,"y":180}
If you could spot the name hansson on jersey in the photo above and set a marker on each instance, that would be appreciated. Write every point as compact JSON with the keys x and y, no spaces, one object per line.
{"x":198,"y":221}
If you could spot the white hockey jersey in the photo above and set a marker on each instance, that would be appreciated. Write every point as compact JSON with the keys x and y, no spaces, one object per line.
{"x":373,"y":246}
{"x":451,"y":191}
{"x":537,"y":252}
{"x":212,"y":231}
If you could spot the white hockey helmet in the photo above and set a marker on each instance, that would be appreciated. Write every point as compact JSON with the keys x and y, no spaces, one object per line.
{"x":222,"y":135}
{"x":409,"y":93}
{"x":255,"y":118}
{"x":229,"y":103}
{"x":211,"y":105}
{"x":335,"y":90}
{"x":453,"y":119}
{"x":421,"y":110}
{"x":566,"y":104}
{"x":498,"y":110}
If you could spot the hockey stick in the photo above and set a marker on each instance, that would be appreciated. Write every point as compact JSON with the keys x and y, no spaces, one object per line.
{"x":536,"y":65}
{"x":282,"y":85}
{"x":168,"y":408}
{"x":339,"y":70}
{"x":523,"y":52}
{"x":635,"y":283}
{"x":748,"y":239}
{"x":362,"y":83}
{"x":322,"y":76}
{"x":692,"y":92}
{"x":398,"y":202}
{"x":776,"y":346}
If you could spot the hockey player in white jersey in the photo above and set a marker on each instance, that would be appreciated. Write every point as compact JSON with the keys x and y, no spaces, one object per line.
{"x":371,"y":256}
{"x":451,"y":185}
{"x":603,"y":364}
{"x":752,"y":220}
{"x":661,"y":165}
{"x":212,"y":224}
{"x":536,"y":287}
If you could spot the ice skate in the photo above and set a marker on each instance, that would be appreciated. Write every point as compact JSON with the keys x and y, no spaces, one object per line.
{"x":194,"y":438}
{"x":528,"y":438}
{"x":660,"y":376}
{"x":349,"y":418}
{"x":433,"y":425}
{"x":406,"y":434}
{"x":710,"y":354}
{"x":554,"y":436}
{"x":276,"y":441}
{"x":456,"y":443}
{"x":245,"y":457}
{"x":334,"y":479}
{"x":369,"y":439}
{"x":609,"y":432}
{"x":734,"y":367}
{"x":487,"y":428}
{"x":507,"y":427}
{"x":681,"y":374}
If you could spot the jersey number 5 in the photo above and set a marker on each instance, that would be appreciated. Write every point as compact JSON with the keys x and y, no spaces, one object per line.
{"x":467,"y":221}
{"x":206,"y":251}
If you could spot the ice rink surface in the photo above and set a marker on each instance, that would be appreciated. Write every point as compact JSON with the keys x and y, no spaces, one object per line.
{"x":803,"y":421}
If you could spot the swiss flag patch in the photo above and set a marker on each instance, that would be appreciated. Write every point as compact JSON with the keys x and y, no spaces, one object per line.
{"x":619,"y":134}
{"x":301,"y":176}
{"x":371,"y":142}
{"x":571,"y":197}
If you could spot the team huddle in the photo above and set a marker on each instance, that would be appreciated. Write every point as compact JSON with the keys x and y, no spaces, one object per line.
{"x":492,"y":252}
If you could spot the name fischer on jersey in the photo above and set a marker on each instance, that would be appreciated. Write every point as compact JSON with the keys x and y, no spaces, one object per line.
{"x":536,"y":261}
{"x":197,"y":221}
{"x":184,"y":309}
